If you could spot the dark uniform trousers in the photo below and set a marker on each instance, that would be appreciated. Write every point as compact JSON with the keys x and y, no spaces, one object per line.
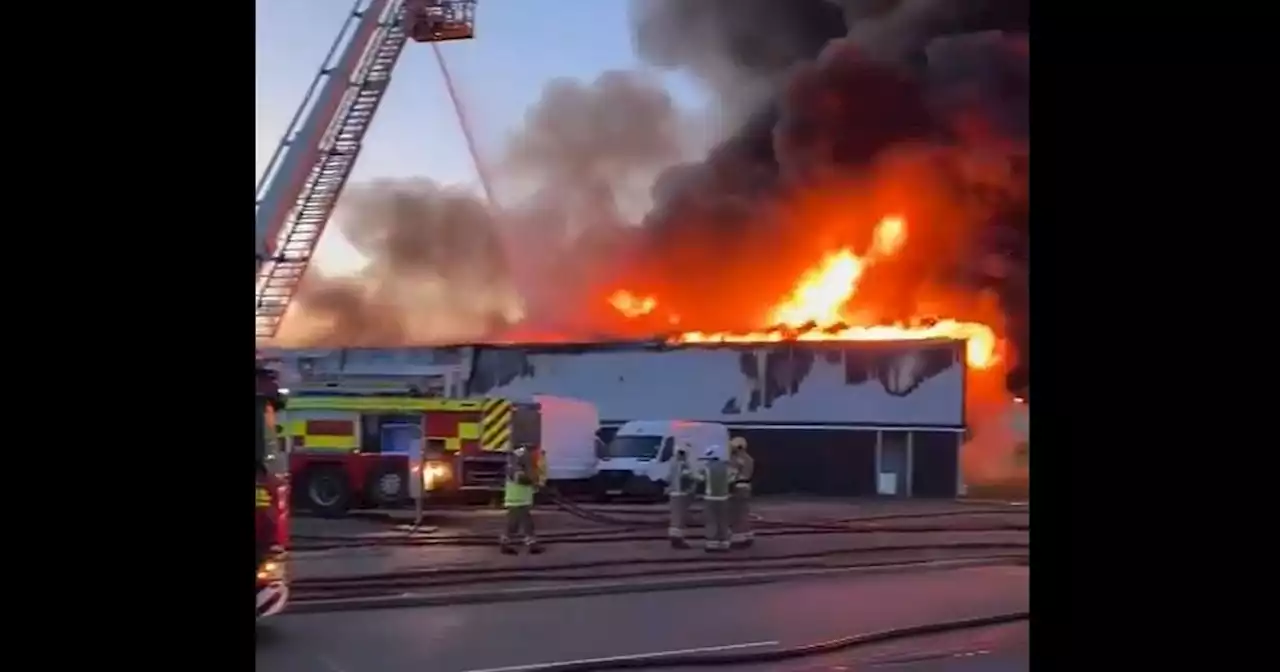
{"x":740,"y":533}
{"x":716,"y":479}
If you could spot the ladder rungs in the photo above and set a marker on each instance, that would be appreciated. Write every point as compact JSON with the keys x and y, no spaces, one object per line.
{"x":278,"y":281}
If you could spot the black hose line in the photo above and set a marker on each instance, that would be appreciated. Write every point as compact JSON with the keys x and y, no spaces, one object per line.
{"x":689,"y":560}
{"x":597,"y":537}
{"x":661,"y":520}
{"x":657,"y":517}
{"x":658,"y":522}
{"x":384,"y":586}
{"x":661,"y":661}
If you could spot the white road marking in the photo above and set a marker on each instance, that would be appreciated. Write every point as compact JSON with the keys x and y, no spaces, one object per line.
{"x":921,"y":658}
{"x":610,"y":659}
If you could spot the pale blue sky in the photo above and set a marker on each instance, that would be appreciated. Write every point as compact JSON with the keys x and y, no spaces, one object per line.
{"x":519,"y":45}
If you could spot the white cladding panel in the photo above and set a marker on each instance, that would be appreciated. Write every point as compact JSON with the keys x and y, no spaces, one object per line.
{"x":907,"y":383}
{"x":903,"y":383}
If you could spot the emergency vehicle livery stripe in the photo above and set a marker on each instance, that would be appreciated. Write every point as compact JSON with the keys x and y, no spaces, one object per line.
{"x":456,"y":429}
{"x":264,"y":498}
{"x":330,"y":428}
{"x":331,"y":443}
{"x":332,"y":435}
{"x":495,"y":429}
{"x":382,"y":404}
{"x":323,"y":434}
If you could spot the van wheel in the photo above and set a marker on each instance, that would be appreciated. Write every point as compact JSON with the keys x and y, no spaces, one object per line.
{"x":596,"y":491}
{"x":326,"y":491}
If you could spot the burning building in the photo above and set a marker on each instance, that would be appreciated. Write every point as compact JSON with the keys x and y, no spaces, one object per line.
{"x":868,"y":183}
{"x":840,"y":278}
{"x":833,"y":418}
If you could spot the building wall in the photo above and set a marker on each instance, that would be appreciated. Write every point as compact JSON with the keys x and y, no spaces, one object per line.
{"x":842,"y":462}
{"x":901,"y":383}
{"x":810,"y":411}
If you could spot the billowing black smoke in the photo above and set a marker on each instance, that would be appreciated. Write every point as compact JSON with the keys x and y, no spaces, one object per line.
{"x":912,"y":106}
{"x":866,"y":94}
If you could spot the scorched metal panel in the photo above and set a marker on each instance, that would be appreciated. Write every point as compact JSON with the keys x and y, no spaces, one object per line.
{"x":899,"y":383}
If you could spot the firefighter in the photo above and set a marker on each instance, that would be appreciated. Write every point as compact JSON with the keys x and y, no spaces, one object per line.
{"x":680,"y":489}
{"x":517,"y":499}
{"x":715,"y":482}
{"x":743,"y":466}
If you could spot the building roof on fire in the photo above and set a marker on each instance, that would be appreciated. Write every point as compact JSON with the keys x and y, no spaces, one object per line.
{"x":436,"y":353}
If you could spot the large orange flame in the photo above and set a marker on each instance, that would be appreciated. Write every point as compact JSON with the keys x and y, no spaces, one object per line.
{"x":819,"y":307}
{"x":631,"y":305}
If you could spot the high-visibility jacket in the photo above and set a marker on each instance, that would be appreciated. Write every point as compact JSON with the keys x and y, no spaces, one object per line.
{"x":715,"y":479}
{"x":521,"y":480}
{"x":517,"y":494}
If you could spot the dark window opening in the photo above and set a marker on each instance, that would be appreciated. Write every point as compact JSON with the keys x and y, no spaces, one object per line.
{"x":638,"y":447}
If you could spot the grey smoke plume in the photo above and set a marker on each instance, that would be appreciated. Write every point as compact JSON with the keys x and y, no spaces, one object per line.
{"x":588,"y":149}
{"x":436,"y":268}
{"x":587,"y":155}
{"x":446,"y":267}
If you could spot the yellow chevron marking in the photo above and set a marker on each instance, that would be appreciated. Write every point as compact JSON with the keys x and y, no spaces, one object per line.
{"x":500,"y":441}
{"x":496,"y":421}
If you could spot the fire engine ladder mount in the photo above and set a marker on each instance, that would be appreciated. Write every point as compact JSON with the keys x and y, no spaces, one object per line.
{"x":301,"y":185}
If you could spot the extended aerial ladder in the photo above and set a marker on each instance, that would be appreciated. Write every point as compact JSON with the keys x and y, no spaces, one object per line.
{"x":301,"y":184}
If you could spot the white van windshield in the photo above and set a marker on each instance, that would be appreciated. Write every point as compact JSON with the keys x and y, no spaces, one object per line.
{"x":641,"y":447}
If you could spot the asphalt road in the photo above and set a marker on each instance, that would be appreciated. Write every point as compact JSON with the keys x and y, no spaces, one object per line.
{"x":997,"y":649}
{"x":507,"y":636}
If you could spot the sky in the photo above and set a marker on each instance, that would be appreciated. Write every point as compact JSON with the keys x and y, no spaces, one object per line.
{"x":519,"y":46}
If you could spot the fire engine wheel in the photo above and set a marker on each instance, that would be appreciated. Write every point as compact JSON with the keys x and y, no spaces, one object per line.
{"x":328,"y":493}
{"x":387,"y":485}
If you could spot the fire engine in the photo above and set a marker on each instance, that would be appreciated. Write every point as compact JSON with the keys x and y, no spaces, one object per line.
{"x":297,"y":193}
{"x":358,"y":448}
{"x":271,"y":519}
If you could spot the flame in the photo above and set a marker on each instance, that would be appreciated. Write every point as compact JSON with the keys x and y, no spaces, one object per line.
{"x":818,"y":308}
{"x":631,"y":305}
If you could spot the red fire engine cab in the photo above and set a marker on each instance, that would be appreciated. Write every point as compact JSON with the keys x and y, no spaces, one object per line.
{"x":271,"y":515}
{"x":356,"y":449}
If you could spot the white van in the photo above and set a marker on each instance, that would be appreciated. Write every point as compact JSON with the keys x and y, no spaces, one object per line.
{"x":569,"y":428}
{"x":638,"y":459}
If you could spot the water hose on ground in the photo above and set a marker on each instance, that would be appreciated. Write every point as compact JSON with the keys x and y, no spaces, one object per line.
{"x":388,"y":586}
{"x":598,"y":537}
{"x":481,"y":572}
